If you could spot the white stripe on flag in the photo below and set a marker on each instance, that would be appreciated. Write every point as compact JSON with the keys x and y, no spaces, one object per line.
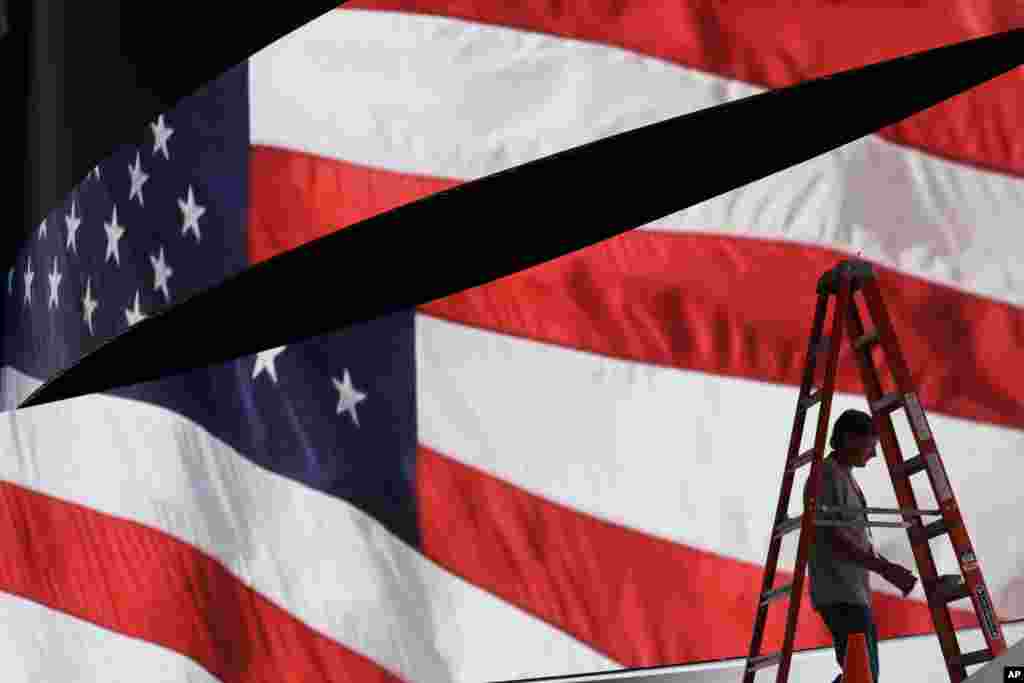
{"x":693,"y":458}
{"x":453,"y":99}
{"x":40,"y":644}
{"x":323,"y":560}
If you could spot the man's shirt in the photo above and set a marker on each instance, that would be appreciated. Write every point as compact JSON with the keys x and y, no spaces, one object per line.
{"x":833,"y":578}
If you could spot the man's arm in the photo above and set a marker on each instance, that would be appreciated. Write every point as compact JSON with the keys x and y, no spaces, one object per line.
{"x":849,"y":546}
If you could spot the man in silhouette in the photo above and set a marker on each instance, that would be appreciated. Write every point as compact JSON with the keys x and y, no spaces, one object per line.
{"x":842,"y":557}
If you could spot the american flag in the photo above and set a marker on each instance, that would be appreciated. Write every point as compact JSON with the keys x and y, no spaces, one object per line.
{"x":569,"y":470}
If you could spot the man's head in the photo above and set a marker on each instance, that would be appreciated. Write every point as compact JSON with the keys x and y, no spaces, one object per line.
{"x":854,"y":438}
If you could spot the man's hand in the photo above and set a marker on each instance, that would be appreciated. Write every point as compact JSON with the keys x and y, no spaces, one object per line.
{"x":899,"y":576}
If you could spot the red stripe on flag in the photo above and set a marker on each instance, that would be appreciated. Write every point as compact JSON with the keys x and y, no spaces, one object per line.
{"x":640,"y":600}
{"x":774,"y":45}
{"x":296,"y":197}
{"x":714,"y":304}
{"x":743,"y":308}
{"x":144,"y":584}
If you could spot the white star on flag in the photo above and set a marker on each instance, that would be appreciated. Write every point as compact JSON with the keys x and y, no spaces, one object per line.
{"x":162,"y":272}
{"x":348,"y":397}
{"x":114,"y":234}
{"x":265,"y":361}
{"x":138,"y":179}
{"x":192,"y":212}
{"x":161,"y":133}
{"x":54,"y":278}
{"x":28,"y":283}
{"x":89,"y":304}
{"x":136,"y":315}
{"x":42,"y":229}
{"x":73,"y":222}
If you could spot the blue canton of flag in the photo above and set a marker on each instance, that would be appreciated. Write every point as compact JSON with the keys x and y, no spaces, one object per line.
{"x":161,"y":220}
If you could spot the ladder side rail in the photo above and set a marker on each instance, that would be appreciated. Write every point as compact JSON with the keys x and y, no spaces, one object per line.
{"x":807,"y":527}
{"x":937,"y":475}
{"x":782,"y":509}
{"x":926,"y":567}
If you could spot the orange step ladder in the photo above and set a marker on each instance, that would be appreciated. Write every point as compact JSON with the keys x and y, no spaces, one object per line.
{"x":842,"y":283}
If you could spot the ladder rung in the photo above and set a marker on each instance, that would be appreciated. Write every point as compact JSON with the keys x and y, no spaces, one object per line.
{"x":950,"y":588}
{"x":867,"y":340}
{"x":800,"y":461}
{"x":764,"y":661}
{"x":975,"y":658}
{"x":811,"y":399}
{"x":776,"y":594}
{"x":786,"y":526}
{"x":913,"y":466}
{"x":887,"y":403}
{"x":929,"y":531}
{"x":955,"y":594}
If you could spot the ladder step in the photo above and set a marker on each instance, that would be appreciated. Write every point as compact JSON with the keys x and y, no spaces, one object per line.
{"x":866,"y":341}
{"x":786,"y":526}
{"x":800,"y":461}
{"x":950,"y":588}
{"x":764,"y":661}
{"x":913,"y":466}
{"x":811,"y":399}
{"x":957,"y":593}
{"x":887,"y":403}
{"x":776,"y":594}
{"x":975,"y":658}
{"x":923,"y":534}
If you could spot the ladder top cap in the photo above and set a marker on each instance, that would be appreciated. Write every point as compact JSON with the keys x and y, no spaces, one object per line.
{"x":855,"y":269}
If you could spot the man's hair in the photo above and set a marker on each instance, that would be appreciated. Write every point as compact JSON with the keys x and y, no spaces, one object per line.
{"x":851,"y":422}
